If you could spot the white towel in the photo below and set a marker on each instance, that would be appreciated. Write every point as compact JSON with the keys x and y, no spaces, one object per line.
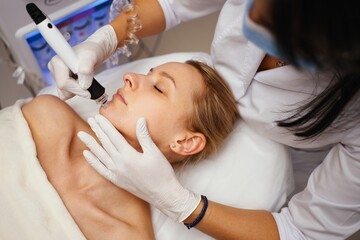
{"x":30,"y":208}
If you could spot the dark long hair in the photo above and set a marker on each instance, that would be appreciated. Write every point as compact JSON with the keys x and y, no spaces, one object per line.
{"x":327,"y":33}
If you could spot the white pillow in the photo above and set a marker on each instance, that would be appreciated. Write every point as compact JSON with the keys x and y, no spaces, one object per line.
{"x":249,"y":171}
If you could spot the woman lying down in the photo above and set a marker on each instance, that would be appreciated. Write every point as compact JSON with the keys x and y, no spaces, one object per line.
{"x":49,"y":191}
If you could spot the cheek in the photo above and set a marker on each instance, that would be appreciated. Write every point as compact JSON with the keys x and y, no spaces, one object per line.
{"x":160,"y":125}
{"x":163,"y":128}
{"x":162,"y":120}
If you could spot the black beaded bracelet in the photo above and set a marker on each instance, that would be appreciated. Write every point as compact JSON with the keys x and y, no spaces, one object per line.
{"x":201,"y":215}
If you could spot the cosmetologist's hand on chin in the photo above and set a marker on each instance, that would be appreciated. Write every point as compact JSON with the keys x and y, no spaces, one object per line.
{"x":147,"y":175}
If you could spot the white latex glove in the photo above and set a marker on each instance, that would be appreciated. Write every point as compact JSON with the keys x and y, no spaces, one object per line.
{"x":91,"y":53}
{"x":147,"y":175}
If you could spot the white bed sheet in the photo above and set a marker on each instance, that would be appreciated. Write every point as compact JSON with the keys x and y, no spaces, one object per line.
{"x":249,"y":171}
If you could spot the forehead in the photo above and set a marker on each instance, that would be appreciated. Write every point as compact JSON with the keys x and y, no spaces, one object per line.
{"x":183,"y":74}
{"x":175,"y":67}
{"x":188,"y":80}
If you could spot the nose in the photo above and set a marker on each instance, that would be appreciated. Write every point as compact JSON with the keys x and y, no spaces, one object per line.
{"x":131,"y":81}
{"x":135,"y":81}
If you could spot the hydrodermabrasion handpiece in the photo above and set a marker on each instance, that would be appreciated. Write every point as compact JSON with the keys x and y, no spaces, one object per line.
{"x":62,"y":48}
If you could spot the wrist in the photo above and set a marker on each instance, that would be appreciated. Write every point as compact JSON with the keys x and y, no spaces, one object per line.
{"x":194,"y":219}
{"x":119,"y":25}
{"x":190,"y":201}
{"x":127,"y":25}
{"x":178,"y":203}
{"x":191,"y":218}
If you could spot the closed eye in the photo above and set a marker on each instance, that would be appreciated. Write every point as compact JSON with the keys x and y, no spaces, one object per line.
{"x":158,"y":89}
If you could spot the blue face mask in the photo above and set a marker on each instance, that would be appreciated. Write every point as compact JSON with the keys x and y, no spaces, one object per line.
{"x":262,"y":38}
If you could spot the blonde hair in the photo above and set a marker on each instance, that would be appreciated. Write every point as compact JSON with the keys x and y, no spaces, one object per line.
{"x":215,"y":110}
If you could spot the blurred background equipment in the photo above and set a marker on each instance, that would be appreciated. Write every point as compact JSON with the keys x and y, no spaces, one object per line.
{"x":28,"y":53}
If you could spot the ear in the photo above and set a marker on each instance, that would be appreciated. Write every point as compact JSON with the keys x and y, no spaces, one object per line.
{"x":190,"y":144}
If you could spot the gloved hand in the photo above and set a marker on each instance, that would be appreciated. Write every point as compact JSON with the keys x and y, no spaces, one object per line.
{"x":91,"y":53}
{"x":147,"y":175}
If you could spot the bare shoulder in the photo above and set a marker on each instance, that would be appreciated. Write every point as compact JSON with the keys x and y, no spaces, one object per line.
{"x":49,"y":113}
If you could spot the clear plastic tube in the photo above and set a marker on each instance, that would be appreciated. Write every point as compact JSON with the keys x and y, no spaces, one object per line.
{"x":133,"y":22}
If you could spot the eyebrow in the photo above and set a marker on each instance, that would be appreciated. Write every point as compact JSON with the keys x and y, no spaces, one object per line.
{"x":168,"y":76}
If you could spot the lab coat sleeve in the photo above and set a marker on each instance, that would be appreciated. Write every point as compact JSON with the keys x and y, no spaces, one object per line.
{"x":329,"y":207}
{"x":177,"y":11}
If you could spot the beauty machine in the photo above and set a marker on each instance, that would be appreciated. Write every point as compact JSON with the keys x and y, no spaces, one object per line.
{"x":76,"y":20}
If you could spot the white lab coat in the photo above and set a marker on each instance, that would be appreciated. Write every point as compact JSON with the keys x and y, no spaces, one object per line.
{"x":329,"y":207}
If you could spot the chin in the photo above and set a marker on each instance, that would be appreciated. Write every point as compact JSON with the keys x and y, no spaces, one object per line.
{"x":102,"y":110}
{"x":106,"y":110}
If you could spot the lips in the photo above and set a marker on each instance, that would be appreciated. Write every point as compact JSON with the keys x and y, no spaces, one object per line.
{"x":120,"y":96}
